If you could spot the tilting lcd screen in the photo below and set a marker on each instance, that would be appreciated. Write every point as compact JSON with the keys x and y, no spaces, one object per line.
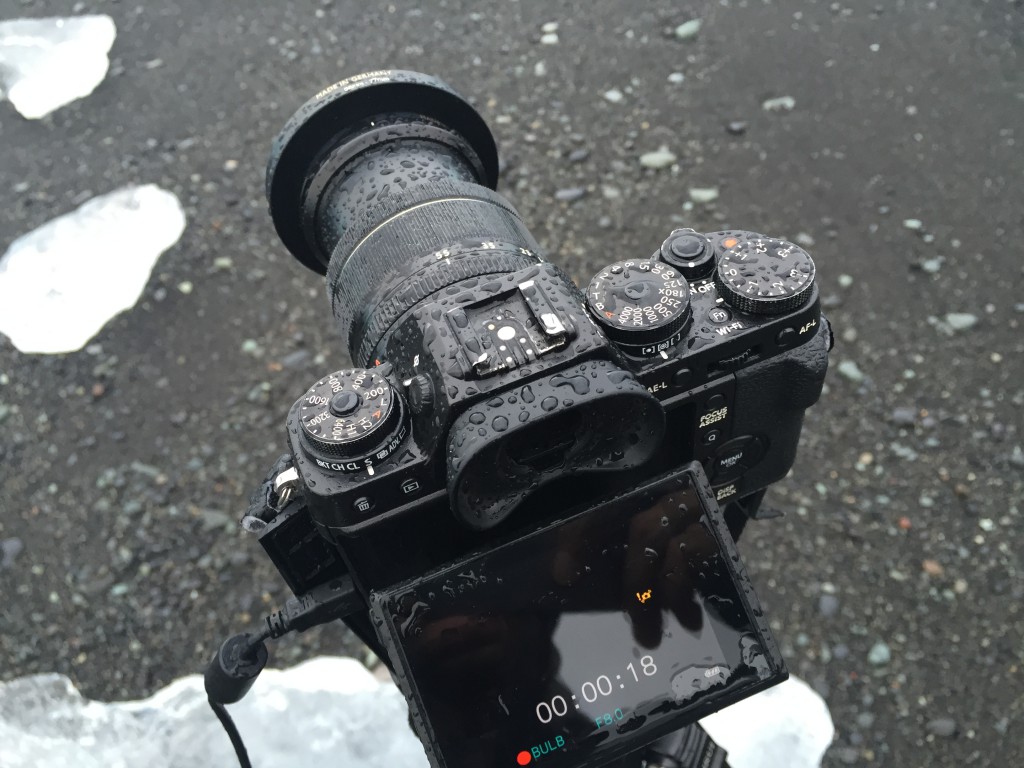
{"x":583,"y":640}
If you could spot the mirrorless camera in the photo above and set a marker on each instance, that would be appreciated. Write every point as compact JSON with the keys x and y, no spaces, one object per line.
{"x":524,"y":495}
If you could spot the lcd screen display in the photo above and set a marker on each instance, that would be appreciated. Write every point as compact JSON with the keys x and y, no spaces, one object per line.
{"x":584,"y":639}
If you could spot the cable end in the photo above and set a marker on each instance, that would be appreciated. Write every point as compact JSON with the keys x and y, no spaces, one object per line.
{"x":234,"y":668}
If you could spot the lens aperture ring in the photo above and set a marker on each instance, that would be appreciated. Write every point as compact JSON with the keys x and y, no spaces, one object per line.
{"x":445,"y":267}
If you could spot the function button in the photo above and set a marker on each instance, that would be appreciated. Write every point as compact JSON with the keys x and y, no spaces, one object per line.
{"x":712,"y":437}
{"x":719,"y":315}
{"x":682,"y":377}
{"x":363,"y":504}
{"x":786,"y":337}
{"x":736,"y":457}
{"x":715,"y":402}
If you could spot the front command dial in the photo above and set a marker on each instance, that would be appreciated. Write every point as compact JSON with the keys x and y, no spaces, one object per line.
{"x":643,"y":306}
{"x":354,"y":416}
{"x":765,"y":276}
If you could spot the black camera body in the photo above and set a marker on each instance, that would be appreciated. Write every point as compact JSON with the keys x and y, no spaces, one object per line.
{"x":731,"y":394}
{"x":496,"y":407}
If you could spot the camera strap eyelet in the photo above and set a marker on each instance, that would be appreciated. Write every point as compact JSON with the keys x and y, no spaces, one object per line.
{"x":272,"y":495}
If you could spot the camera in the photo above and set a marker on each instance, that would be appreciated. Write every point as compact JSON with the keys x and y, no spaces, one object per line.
{"x":524,"y":496}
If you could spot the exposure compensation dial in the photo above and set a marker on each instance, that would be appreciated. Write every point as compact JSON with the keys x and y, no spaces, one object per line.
{"x":765,"y":276}
{"x":351,"y":420}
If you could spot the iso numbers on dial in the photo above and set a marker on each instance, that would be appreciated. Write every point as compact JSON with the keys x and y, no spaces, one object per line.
{"x":591,"y":691}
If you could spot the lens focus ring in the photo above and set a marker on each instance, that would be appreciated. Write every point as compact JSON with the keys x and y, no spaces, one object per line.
{"x":398,"y":234}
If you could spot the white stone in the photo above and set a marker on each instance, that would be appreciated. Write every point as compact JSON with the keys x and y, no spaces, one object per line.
{"x":703,"y":195}
{"x":61,"y":283}
{"x":47,"y":63}
{"x":779,"y":104}
{"x":689,"y":29}
{"x":660,"y":158}
{"x":614,"y":95}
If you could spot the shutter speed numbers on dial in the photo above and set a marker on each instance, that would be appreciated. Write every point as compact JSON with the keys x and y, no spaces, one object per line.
{"x":592,"y":691}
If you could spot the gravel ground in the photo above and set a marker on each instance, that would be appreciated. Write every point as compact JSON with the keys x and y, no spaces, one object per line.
{"x":883,"y":137}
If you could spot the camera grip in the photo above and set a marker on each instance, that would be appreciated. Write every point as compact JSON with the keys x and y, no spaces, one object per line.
{"x":771,"y":398}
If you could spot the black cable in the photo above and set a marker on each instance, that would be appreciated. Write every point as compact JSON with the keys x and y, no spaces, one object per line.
{"x":229,"y":725}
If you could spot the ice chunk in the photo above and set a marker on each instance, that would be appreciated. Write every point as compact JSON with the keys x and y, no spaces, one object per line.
{"x":327,"y":711}
{"x":47,"y":63}
{"x":788,"y":725}
{"x":62,"y":282}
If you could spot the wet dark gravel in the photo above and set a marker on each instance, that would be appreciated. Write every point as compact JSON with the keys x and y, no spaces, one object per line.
{"x":894,"y":581}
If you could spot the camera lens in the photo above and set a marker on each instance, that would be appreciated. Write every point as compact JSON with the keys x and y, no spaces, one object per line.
{"x":384,"y":182}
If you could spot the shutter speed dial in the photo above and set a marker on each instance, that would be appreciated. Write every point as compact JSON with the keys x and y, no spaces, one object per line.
{"x":765,"y":276}
{"x":352,"y":419}
{"x":643,"y":306}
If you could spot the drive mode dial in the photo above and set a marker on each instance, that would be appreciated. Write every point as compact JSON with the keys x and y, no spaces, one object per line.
{"x":765,"y":276}
{"x":643,"y":306}
{"x":352,"y":419}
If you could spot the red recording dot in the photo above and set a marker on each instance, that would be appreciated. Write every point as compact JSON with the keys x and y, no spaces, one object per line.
{"x":523,"y":758}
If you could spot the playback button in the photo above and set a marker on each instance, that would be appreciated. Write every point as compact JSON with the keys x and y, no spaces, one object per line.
{"x":736,"y":457}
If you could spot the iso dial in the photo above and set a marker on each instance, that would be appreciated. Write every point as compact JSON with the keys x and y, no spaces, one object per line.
{"x":765,"y":276}
{"x":350,"y":414}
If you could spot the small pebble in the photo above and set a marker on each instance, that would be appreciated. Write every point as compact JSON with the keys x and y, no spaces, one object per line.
{"x":903,"y":416}
{"x":845,"y":281}
{"x":961,"y":321}
{"x":913,"y":224}
{"x":579,"y":155}
{"x":540,"y":69}
{"x":252,"y":347}
{"x":549,"y":27}
{"x":942,"y":726}
{"x":737,"y":127}
{"x":185,"y":286}
{"x":230,"y":165}
{"x":849,"y":370}
{"x":804,"y":239}
{"x":549,"y":38}
{"x":614,"y":95}
{"x":932,"y":266}
{"x":879,"y":654}
{"x":689,"y":29}
{"x":779,"y":104}
{"x":828,"y":605}
{"x":9,"y":551}
{"x":703,"y":195}
{"x":570,"y":194}
{"x":676,"y":78}
{"x":660,"y":158}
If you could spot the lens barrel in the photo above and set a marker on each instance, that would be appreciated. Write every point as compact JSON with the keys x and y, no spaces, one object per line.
{"x":372,"y":179}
